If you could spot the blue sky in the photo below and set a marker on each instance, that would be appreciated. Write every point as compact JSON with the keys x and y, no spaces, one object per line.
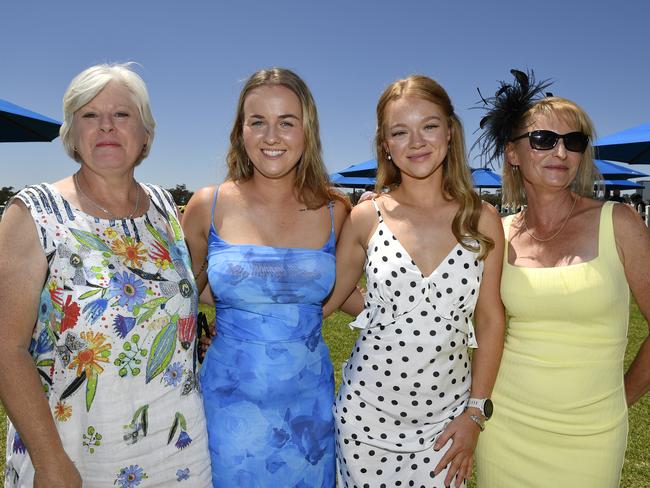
{"x":195,"y":55}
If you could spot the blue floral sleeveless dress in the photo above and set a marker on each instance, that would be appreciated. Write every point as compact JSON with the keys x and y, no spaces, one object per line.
{"x":267,"y":378}
{"x":114,"y":345}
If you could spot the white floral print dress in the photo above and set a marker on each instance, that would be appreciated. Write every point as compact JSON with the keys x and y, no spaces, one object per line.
{"x":114,"y":344}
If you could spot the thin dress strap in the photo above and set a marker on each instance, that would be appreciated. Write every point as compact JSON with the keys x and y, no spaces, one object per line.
{"x":333,"y":226}
{"x":381,"y":219}
{"x":214,"y":202}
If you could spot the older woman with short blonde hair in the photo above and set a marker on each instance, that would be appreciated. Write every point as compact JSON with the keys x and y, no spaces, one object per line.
{"x":99,"y":323}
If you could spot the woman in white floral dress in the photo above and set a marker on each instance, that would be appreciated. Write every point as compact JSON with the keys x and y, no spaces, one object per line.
{"x":98,"y":311}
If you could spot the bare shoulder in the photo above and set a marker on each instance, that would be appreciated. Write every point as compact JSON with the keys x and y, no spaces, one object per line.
{"x":628,"y":224}
{"x":490,"y":221}
{"x":362,"y":221}
{"x":197,"y":215}
{"x":364,"y":212}
{"x":19,"y":239}
{"x":341,"y":211}
{"x":625,"y":215}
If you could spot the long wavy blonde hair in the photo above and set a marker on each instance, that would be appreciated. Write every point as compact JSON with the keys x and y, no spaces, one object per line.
{"x":457,"y":178}
{"x":312,"y":185}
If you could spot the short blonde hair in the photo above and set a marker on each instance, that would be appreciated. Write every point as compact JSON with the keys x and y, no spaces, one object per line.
{"x":457,"y":177}
{"x":87,"y":84}
{"x":514,"y":193}
{"x":312,"y":183}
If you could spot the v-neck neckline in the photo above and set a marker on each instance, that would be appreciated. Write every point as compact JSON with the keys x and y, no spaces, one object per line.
{"x":408,"y":255}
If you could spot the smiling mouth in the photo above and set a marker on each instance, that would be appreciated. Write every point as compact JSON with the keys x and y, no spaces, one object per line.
{"x":419,"y":156}
{"x":273,"y":153}
{"x":556,"y":167}
{"x":108,"y":144}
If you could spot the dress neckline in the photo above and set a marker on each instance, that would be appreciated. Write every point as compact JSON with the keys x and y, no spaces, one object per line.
{"x":507,"y":224}
{"x":77,"y":210}
{"x":216,"y":235}
{"x":328,"y":242}
{"x":407,"y":255}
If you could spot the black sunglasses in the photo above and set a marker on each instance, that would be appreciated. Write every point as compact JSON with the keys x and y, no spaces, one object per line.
{"x":547,"y":139}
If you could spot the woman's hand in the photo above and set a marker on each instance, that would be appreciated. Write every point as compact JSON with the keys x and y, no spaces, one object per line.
{"x":463,"y":433}
{"x":59,"y":474}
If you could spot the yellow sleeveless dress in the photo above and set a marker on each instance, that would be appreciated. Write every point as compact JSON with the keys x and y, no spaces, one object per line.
{"x":560,"y":416}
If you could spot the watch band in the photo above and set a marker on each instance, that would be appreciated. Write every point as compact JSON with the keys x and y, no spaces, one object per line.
{"x":483,"y":404}
{"x":476,"y":403}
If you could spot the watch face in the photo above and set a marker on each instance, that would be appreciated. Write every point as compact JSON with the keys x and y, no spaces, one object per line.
{"x":488,"y":408}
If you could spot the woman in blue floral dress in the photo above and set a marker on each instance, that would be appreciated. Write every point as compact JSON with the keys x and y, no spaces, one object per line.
{"x":102,"y":391}
{"x":268,"y":234}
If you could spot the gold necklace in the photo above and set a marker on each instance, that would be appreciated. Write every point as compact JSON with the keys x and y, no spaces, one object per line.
{"x":75,"y":177}
{"x":566,"y":219}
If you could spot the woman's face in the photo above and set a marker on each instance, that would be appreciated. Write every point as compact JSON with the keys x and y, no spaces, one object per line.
{"x":554,"y":168}
{"x":417,"y":135}
{"x":108,"y":131}
{"x":273,"y":134}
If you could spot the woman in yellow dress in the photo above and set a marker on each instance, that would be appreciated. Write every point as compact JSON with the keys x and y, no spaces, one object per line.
{"x":561,"y":398}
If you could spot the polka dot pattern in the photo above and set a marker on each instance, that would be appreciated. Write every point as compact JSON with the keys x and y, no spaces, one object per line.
{"x":409,"y":372}
{"x":388,"y":469}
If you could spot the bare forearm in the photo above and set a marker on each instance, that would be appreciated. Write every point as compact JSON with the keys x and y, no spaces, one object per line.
{"x":354,"y":304}
{"x":22,"y":395}
{"x":637,"y":378}
{"x":486,"y":360}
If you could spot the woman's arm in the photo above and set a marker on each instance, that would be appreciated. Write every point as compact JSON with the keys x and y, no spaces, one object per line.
{"x":633,"y":243}
{"x":489,"y":320}
{"x":23,"y":268}
{"x":489,"y":315}
{"x":351,"y":256}
{"x":196,"y":227}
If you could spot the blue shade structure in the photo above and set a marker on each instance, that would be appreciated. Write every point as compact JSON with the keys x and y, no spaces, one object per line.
{"x":352,"y":181}
{"x":485,"y":178}
{"x":17,"y":124}
{"x":611,"y":171}
{"x":630,"y":146}
{"x":619,"y":184}
{"x":365,"y":169}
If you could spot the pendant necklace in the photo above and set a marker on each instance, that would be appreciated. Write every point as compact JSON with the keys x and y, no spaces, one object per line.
{"x":547,"y":239}
{"x":75,"y":178}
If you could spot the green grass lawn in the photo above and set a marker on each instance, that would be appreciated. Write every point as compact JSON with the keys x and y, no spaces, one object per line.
{"x":636,"y":471}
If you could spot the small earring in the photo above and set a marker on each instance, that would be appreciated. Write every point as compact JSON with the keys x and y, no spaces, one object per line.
{"x":389,"y":157}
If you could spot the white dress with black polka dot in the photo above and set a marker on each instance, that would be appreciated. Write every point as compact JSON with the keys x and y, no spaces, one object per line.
{"x":409,"y":372}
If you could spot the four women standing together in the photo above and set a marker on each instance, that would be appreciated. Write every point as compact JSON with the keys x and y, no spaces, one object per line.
{"x":98,"y":262}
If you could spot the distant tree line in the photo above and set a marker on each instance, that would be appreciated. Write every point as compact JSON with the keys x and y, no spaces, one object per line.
{"x":180,"y":194}
{"x":6,"y":192}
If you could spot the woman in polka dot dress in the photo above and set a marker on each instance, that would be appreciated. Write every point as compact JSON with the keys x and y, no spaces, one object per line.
{"x":432,"y":256}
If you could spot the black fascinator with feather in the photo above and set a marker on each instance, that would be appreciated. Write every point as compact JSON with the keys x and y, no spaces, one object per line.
{"x":505,"y":111}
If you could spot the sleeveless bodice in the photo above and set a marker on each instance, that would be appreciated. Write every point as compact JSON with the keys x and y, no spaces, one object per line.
{"x":285,"y":286}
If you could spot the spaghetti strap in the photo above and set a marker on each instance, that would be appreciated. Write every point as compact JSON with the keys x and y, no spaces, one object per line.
{"x":381,"y":218}
{"x":214,"y":202}
{"x":333,"y":224}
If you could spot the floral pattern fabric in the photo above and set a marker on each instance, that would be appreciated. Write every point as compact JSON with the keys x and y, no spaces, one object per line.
{"x":115,"y":346}
{"x":267,"y":379}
